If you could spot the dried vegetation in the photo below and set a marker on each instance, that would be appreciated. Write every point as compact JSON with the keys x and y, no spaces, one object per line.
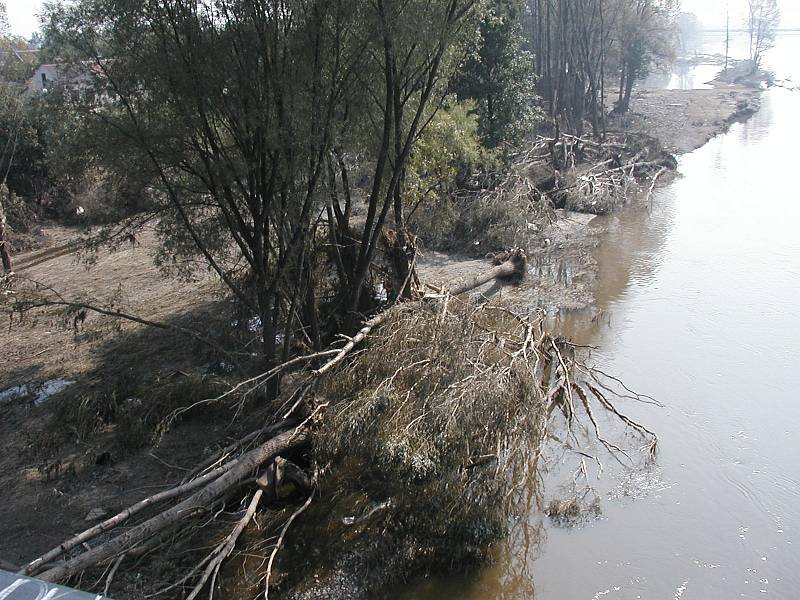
{"x":578,"y":174}
{"x":425,"y":427}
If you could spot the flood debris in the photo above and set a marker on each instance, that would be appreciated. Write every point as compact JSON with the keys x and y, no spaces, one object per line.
{"x":40,"y":393}
{"x":425,"y":425}
{"x":575,"y":510}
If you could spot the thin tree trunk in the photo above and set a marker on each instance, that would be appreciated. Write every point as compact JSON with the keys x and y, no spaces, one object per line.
{"x":5,"y":253}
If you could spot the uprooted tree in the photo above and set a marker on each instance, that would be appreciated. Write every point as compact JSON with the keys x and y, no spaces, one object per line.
{"x":254,"y":125}
{"x":437,"y":430}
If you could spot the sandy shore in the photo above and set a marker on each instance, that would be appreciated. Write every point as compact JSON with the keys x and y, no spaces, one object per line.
{"x":684,"y":120}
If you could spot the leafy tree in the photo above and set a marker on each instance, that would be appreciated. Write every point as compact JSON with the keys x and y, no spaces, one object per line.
{"x":248,"y":117}
{"x":645,"y":36}
{"x":499,"y":76}
{"x":23,"y":155}
{"x":448,"y":152}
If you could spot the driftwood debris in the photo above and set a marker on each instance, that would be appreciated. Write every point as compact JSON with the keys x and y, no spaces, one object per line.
{"x":512,"y":267}
{"x":211,"y":482}
{"x":221,"y":478}
{"x":201,"y":501}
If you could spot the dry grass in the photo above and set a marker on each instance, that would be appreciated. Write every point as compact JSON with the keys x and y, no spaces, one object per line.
{"x":441,"y":416}
{"x":47,"y":345}
{"x":90,"y":445}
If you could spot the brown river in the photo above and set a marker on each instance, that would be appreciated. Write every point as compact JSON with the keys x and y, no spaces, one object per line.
{"x":699,"y":293}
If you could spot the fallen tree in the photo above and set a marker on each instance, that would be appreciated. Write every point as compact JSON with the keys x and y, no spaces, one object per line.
{"x":446,"y":395}
{"x":563,"y":172}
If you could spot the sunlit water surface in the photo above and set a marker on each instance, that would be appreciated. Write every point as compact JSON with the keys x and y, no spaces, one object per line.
{"x":699,"y":295}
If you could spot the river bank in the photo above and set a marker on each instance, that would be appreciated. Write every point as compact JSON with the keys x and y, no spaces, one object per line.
{"x":695,"y":288}
{"x":563,"y":270}
{"x":78,"y":475}
{"x":561,"y":279}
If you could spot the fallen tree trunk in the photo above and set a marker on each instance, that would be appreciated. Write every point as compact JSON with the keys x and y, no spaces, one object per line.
{"x":513,"y":266}
{"x":187,"y":486}
{"x":35,"y":565}
{"x":241,"y":469}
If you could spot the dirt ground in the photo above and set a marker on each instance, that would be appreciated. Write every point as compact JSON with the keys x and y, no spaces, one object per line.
{"x":52,"y":481}
{"x":51,"y":477}
{"x":684,"y":120}
{"x":560,"y":266}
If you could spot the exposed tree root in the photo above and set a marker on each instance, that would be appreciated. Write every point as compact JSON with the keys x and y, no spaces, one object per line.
{"x":509,"y":371}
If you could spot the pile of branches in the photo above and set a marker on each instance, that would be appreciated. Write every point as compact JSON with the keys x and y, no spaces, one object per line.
{"x":564,"y":172}
{"x":587,"y":175}
{"x":605,"y":174}
{"x":438,"y":405}
{"x":499,"y":215}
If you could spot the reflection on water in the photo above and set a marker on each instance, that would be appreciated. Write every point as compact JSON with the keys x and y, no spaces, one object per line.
{"x":683,"y":76}
{"x":699,"y":294}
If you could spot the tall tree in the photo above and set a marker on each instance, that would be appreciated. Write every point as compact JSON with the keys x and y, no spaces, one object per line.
{"x":499,"y":76}
{"x":646,"y":32}
{"x":763,"y":20}
{"x":248,"y":113}
{"x":578,"y":43}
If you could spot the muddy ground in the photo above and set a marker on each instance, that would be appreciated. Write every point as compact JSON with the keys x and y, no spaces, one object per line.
{"x":52,"y":479}
{"x":684,"y":120}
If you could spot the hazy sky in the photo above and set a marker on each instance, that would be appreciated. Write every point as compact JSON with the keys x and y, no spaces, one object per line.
{"x":22,"y":16}
{"x":712,"y":12}
{"x":22,"y":13}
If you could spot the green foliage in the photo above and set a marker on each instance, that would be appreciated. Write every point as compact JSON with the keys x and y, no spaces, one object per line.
{"x":499,"y":77}
{"x":448,"y":152}
{"x":22,"y":139}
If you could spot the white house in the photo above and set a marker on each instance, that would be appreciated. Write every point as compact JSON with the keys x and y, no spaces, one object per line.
{"x":77,"y":76}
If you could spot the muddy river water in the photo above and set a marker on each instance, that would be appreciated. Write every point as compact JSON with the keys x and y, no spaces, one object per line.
{"x":699,"y":295}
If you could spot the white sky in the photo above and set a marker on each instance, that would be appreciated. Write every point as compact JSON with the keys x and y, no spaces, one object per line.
{"x":22,"y":16}
{"x":712,"y":12}
{"x":23,"y":20}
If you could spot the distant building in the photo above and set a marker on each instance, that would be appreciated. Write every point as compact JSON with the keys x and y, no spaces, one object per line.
{"x":47,"y":76}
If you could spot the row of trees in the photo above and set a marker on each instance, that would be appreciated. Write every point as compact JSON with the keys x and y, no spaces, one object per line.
{"x":579,"y":43}
{"x":274,"y":139}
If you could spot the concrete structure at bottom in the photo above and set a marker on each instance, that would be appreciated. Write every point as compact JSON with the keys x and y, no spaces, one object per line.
{"x":18,"y":587}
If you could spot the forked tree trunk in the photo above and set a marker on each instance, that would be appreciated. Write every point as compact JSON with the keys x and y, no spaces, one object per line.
{"x":5,"y":252}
